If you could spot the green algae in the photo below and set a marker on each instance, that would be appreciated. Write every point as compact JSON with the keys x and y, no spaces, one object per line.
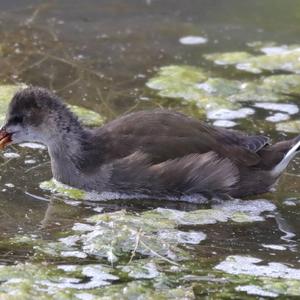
{"x":289,"y":126}
{"x":46,"y":281}
{"x":234,"y":211}
{"x":252,"y":276}
{"x":185,"y":75}
{"x":220,"y":87}
{"x":244,"y":277}
{"x":144,"y":291}
{"x":6,"y":93}
{"x":130,"y":234}
{"x":116,"y":236}
{"x":62,"y":189}
{"x":230,"y":58}
{"x":30,"y":281}
{"x":188,"y":83}
{"x":86,"y":116}
{"x":147,"y":252}
{"x":211,"y":93}
{"x":141,"y":269}
{"x":269,"y":89}
{"x":286,"y":287}
{"x":285,"y":84}
{"x":155,"y":233}
{"x":275,"y":58}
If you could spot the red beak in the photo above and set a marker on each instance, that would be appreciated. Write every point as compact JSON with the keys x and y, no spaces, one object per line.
{"x":5,"y":138}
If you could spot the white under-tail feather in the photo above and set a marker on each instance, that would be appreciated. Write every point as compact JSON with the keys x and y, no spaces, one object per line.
{"x":278,"y":169}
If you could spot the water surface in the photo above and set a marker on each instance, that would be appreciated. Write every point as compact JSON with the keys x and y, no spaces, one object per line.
{"x":100,"y":54}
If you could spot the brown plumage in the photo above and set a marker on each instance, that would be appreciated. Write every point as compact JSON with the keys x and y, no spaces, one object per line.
{"x":157,"y":153}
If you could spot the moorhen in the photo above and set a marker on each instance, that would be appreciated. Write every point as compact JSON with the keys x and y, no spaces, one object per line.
{"x":159,"y":154}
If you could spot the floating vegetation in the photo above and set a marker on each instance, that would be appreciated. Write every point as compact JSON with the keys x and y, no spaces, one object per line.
{"x":221,"y":98}
{"x":120,"y":235}
{"x":67,"y":191}
{"x":290,"y":126}
{"x":46,"y":281}
{"x":247,"y":265}
{"x":6,"y":93}
{"x":230,"y":58}
{"x":188,"y":83}
{"x":268,"y":280}
{"x":86,"y":116}
{"x":148,"y":246}
{"x":141,"y":269}
{"x":62,"y":189}
{"x":275,"y":58}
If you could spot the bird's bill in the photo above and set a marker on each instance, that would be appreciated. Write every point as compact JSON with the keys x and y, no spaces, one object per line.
{"x":5,"y":138}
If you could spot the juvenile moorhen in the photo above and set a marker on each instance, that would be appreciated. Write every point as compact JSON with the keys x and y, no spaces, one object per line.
{"x":158,"y":153}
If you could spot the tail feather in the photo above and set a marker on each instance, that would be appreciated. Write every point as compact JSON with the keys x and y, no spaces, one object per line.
{"x":291,"y":153}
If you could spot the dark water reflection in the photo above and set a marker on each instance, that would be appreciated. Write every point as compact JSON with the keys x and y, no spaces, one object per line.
{"x":99,"y":54}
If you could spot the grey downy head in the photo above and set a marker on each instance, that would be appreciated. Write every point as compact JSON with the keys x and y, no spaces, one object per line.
{"x":36,"y":115}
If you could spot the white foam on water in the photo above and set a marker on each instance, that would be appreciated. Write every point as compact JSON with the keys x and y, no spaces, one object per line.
{"x":289,"y":203}
{"x":11,"y":155}
{"x":206,"y":87}
{"x":248,"y":67}
{"x":147,"y":271}
{"x":275,"y":50}
{"x":83,"y":227}
{"x":70,"y":240}
{"x":255,"y":290}
{"x":73,"y":202}
{"x":67,"y":268}
{"x":10,"y":185}
{"x":183,"y":237}
{"x":247,"y":265}
{"x":30,"y":161}
{"x":97,"y":274}
{"x":193,"y":40}
{"x":98,"y":209}
{"x":78,"y":254}
{"x":229,"y":114}
{"x":283,"y":107}
{"x":32,"y":145}
{"x":274,"y":247}
{"x":224,"y":123}
{"x":278,"y":117}
{"x":85,"y":296}
{"x":255,"y":207}
{"x":279,"y":50}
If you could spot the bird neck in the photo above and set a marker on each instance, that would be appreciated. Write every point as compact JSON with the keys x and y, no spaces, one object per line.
{"x":66,"y":153}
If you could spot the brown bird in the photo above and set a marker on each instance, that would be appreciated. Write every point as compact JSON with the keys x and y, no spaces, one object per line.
{"x":158,"y":154}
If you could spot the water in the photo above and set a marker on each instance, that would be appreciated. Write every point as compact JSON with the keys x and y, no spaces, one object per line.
{"x":100,"y":54}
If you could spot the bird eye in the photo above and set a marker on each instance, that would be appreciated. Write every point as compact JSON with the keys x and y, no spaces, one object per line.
{"x":17,"y":119}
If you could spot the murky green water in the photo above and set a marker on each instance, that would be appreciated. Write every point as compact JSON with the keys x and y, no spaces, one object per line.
{"x":115,"y":57}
